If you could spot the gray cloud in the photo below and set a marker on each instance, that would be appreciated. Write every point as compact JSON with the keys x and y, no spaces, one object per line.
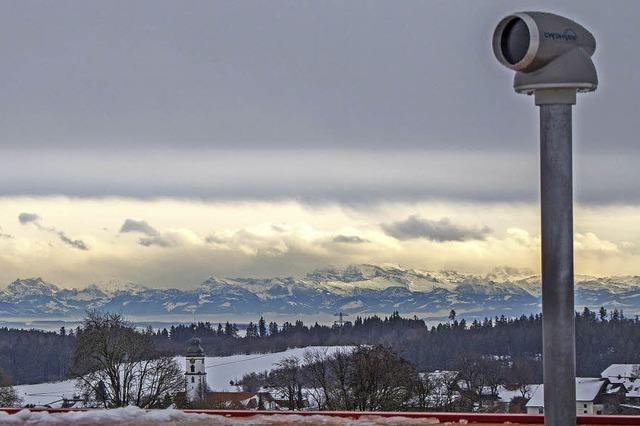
{"x":349,"y":239}
{"x":152,"y":237}
{"x":25,"y":218}
{"x":228,"y":74}
{"x":435,"y":230}
{"x":155,"y":241}
{"x":213,"y":239}
{"x":141,"y":226}
{"x":36,"y":220}
{"x":225,"y":76}
{"x":79,"y":244}
{"x":313,"y":176}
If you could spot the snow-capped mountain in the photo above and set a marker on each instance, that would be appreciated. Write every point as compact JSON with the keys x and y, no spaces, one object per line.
{"x":352,"y":289}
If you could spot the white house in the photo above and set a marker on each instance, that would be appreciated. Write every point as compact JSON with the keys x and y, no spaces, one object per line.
{"x":627,"y":375}
{"x":589,"y":391}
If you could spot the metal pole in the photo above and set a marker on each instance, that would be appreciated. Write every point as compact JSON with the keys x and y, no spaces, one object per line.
{"x":559,"y":354}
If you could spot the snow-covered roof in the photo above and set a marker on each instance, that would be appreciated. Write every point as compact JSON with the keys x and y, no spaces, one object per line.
{"x":621,"y":371}
{"x":506,"y":395}
{"x":625,"y":374}
{"x":440,"y":374}
{"x":587,"y":389}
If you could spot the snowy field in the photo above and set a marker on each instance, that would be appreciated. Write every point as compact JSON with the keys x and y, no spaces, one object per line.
{"x":220,"y":371}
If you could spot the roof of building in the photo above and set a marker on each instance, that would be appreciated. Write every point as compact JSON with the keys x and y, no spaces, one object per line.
{"x":625,"y":374}
{"x":221,"y":397}
{"x":587,"y":389}
{"x":231,"y":400}
{"x":440,"y":375}
{"x":194,"y":348}
{"x":506,"y":395}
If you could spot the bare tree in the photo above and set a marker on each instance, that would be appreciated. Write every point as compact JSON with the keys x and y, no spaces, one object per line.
{"x":436,"y":391}
{"x":318,"y":373}
{"x":449,"y":391}
{"x":471,"y":376}
{"x":330,"y":378}
{"x":480,"y":376}
{"x":340,"y":366}
{"x":521,"y":376}
{"x":426,"y":392}
{"x":117,"y":365}
{"x":380,"y":380}
{"x":286,"y":379}
{"x":493,"y":374}
{"x":367,"y":378}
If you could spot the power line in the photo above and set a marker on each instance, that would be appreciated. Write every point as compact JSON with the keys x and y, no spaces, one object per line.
{"x":236,"y":362}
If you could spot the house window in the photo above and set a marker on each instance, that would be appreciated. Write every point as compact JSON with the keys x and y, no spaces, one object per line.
{"x":540,"y":411}
{"x":584,"y":405}
{"x":193,"y":369}
{"x":192,"y":380}
{"x":585,"y":411}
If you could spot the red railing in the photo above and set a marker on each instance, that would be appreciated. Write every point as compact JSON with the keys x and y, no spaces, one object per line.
{"x":442,"y":417}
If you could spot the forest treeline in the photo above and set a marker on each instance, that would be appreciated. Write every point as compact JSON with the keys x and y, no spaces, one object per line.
{"x":602,"y":338}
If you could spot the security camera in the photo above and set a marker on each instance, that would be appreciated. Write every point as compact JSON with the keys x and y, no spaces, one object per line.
{"x":547,"y":51}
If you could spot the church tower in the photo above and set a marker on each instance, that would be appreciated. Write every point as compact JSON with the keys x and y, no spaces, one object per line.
{"x":195,"y":373}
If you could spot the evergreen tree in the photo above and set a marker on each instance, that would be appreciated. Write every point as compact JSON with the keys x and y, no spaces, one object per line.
{"x":252,"y":330}
{"x":228,"y":330}
{"x":273,"y":329}
{"x":603,"y":314}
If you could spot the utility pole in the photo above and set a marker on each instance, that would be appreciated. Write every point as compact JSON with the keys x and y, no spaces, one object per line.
{"x":340,"y":316}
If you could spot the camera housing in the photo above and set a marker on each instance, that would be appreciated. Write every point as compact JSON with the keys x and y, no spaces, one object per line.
{"x":547,"y":52}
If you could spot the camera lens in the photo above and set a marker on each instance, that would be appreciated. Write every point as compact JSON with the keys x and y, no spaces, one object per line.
{"x":515,"y":41}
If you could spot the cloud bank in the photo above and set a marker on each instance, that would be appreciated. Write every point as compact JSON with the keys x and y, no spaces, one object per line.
{"x":435,"y":230}
{"x":172,"y":243}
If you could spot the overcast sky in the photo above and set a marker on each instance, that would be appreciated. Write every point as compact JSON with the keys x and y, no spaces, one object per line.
{"x":218,"y":107}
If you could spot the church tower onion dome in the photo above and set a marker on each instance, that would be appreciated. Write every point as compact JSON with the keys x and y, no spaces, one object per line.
{"x":194,"y":349}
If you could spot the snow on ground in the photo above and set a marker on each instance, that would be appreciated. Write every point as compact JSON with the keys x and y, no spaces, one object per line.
{"x":220,"y":371}
{"x":135,"y":416}
{"x":50,"y":393}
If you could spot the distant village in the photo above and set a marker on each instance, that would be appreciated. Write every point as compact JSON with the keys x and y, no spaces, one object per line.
{"x":616,"y":391}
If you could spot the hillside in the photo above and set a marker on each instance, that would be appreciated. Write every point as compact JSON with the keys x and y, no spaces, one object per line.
{"x":220,"y":371}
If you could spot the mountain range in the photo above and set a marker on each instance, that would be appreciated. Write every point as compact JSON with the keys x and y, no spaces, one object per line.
{"x":355,"y":289}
